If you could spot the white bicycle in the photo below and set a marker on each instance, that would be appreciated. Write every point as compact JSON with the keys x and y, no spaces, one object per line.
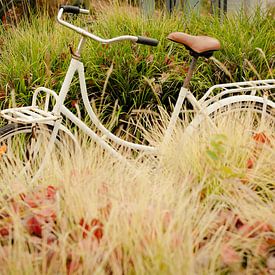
{"x":19,"y":138}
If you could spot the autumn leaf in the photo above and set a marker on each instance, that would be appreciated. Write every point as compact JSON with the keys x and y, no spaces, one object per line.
{"x":250,"y":163}
{"x":51,"y":192}
{"x":3,"y":150}
{"x":34,"y":226}
{"x":97,"y":227}
{"x":86,"y":228}
{"x":261,"y":138}
{"x":4,"y":231}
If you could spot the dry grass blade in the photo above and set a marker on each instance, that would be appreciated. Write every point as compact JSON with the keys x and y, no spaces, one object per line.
{"x":92,"y":214}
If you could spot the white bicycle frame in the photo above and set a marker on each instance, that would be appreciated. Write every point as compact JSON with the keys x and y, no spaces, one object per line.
{"x":205,"y":105}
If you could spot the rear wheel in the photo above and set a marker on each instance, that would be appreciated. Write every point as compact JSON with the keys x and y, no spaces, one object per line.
{"x":251,"y":115}
{"x":23,"y":148}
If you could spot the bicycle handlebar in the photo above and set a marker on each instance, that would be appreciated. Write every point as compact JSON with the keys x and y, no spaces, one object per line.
{"x":147,"y":41}
{"x":77,"y":10}
{"x":73,"y":9}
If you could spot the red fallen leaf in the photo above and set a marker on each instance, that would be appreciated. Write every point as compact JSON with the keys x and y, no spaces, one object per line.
{"x":250,"y":163}
{"x":261,"y":138}
{"x":97,"y":229}
{"x":96,"y":226}
{"x":4,"y":231}
{"x":86,"y":226}
{"x":34,"y":226}
{"x":229,"y":255}
{"x":51,"y":192}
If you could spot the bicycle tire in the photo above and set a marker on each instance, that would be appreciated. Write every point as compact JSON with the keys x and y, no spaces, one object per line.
{"x":260,"y":111}
{"x":22,"y":153}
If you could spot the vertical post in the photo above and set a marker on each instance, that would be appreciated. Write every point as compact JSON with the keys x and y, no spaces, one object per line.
{"x":171,"y":5}
{"x":225,"y":6}
{"x":147,"y":7}
{"x":219,"y":7}
{"x":192,"y":6}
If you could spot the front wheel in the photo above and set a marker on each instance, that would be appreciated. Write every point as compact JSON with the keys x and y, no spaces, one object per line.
{"x":24,"y":146}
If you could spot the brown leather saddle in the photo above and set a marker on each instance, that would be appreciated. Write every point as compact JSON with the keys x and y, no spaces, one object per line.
{"x":197,"y":45}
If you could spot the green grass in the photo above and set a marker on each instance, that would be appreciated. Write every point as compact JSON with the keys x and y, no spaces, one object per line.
{"x":35,"y":53}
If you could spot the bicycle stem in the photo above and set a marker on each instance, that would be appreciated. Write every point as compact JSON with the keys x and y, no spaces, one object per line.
{"x":190,"y":72}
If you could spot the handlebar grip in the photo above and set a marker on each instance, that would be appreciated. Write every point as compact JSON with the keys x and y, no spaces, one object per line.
{"x":70,"y":9}
{"x":147,"y":41}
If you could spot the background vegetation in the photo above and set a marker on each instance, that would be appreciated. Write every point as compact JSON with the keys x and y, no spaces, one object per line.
{"x":35,"y":53}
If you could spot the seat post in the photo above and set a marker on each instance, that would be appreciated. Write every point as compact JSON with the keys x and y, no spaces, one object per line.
{"x":190,"y":72}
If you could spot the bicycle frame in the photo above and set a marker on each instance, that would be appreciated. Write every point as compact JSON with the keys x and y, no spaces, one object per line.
{"x":77,"y":67}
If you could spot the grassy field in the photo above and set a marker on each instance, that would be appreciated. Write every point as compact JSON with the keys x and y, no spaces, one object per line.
{"x":206,"y":206}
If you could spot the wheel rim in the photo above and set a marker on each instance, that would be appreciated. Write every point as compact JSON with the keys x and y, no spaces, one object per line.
{"x":22,"y":150}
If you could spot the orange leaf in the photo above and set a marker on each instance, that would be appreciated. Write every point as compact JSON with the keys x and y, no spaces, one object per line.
{"x":250,"y":163}
{"x":3,"y":149}
{"x":261,"y":138}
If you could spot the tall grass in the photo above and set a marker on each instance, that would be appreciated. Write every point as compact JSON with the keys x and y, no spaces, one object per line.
{"x":188,"y":213}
